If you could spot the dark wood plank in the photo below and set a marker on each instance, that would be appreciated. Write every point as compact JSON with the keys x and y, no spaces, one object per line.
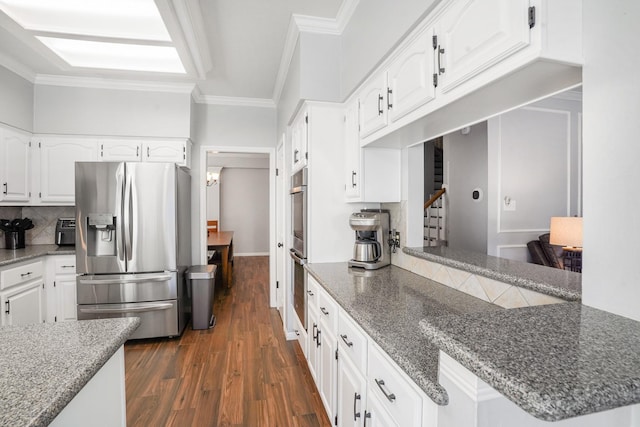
{"x":241,"y":373}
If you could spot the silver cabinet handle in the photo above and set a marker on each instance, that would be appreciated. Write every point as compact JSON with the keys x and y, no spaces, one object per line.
{"x":8,"y":305}
{"x":297,"y":332}
{"x":28,"y":273}
{"x":310,"y":293}
{"x":295,"y":156}
{"x":6,"y":188}
{"x":380,"y":98}
{"x":353,"y":178}
{"x":356,"y":415}
{"x":390,"y":396}
{"x":67,"y":266}
{"x":389,"y":103}
{"x":324,"y":311}
{"x":366,"y":415}
{"x":318,"y":338}
{"x":314,"y":334}
{"x":347,"y":342}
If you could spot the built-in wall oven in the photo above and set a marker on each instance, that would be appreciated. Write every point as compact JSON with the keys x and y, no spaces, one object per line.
{"x":299,"y":242}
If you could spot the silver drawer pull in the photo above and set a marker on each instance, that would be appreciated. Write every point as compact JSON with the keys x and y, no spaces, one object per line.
{"x":347,"y":342}
{"x":366,"y":415}
{"x":390,"y":396}
{"x":356,"y":415}
{"x":310,"y":293}
{"x":26,"y":274}
{"x":324,"y":311}
{"x":67,"y":266}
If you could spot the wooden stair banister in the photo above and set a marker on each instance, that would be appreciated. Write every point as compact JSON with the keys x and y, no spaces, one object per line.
{"x":435,"y":197}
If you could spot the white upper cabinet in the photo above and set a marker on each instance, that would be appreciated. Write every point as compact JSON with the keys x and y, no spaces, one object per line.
{"x":120,"y":150}
{"x":167,"y":151}
{"x":16,"y":164}
{"x":410,"y":77}
{"x":373,"y":106}
{"x":58,"y":156}
{"x":473,"y":35}
{"x":300,"y":140}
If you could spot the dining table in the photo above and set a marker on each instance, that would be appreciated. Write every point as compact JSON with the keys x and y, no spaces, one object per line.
{"x":222,"y":241}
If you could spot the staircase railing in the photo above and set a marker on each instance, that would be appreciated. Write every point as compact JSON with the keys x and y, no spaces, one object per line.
{"x":433,"y":232}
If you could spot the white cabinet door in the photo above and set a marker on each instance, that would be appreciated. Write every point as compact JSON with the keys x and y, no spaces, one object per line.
{"x":16,"y":164}
{"x":373,"y":106}
{"x":23,"y":305}
{"x":476,"y":34}
{"x":410,"y":77}
{"x":352,"y":153}
{"x":164,"y":151}
{"x":313,"y":355}
{"x":57,"y":166}
{"x":65,"y":287}
{"x":120,"y":150}
{"x":375,"y":414}
{"x":328,"y":369}
{"x":351,"y":394}
{"x":300,"y":140}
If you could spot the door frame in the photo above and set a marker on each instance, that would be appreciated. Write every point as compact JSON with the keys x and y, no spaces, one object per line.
{"x":202,"y":218}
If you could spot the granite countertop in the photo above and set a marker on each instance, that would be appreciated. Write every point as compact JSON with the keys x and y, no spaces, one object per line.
{"x":10,"y":256}
{"x":388,"y":304}
{"x":555,"y":362}
{"x":545,"y":280}
{"x":43,"y":366}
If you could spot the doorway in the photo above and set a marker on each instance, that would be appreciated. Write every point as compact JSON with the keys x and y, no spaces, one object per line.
{"x":241,"y":169}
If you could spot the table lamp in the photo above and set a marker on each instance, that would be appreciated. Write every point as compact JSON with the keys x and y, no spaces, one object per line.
{"x":566,"y":231}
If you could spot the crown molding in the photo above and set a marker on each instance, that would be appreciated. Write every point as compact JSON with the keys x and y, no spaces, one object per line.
{"x":102,"y":83}
{"x":17,"y":68}
{"x":316,"y":25}
{"x":285,"y":60}
{"x":232,"y":101}
{"x":347,"y":8}
{"x":570,"y":95}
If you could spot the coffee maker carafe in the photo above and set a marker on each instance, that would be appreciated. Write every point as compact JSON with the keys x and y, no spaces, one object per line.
{"x":371,"y":250}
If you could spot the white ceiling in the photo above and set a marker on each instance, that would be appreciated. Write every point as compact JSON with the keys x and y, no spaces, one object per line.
{"x":233,"y":48}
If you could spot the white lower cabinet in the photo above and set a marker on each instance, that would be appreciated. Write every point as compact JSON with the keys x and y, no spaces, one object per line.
{"x":61,"y":288}
{"x":21,"y":295}
{"x":360,"y":386}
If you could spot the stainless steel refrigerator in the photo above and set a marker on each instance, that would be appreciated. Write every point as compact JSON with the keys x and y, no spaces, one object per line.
{"x":133,"y":244}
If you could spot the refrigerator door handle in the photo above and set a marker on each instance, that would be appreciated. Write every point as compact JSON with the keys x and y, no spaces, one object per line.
{"x":127,"y":216}
{"x":119,"y":212}
{"x":94,"y":281}
{"x":130,"y":309}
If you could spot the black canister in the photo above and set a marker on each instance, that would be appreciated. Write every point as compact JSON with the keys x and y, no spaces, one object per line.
{"x":14,"y":239}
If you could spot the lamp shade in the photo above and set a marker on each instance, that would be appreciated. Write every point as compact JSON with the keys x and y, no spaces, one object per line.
{"x":566,"y":231}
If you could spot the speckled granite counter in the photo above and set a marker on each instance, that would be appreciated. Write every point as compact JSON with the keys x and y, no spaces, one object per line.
{"x":550,"y":281}
{"x":555,"y":361}
{"x":43,"y":366}
{"x":388,"y":304}
{"x":8,"y":256}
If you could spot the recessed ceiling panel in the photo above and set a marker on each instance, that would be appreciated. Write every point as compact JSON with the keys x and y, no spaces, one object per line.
{"x":129,"y":19}
{"x":115,"y":56}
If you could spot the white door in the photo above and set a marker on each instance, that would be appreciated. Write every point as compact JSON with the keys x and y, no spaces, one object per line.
{"x":411,"y":77}
{"x":15,"y":166}
{"x":58,"y":157}
{"x":328,"y":369}
{"x":280,"y":217}
{"x":351,"y":394}
{"x":25,"y":306}
{"x":66,"y":296}
{"x":476,"y":34}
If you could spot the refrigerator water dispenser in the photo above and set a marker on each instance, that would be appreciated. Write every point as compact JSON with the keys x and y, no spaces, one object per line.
{"x":101,"y":235}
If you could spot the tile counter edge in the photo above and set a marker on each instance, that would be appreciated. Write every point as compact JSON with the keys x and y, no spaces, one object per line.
{"x":558,"y":283}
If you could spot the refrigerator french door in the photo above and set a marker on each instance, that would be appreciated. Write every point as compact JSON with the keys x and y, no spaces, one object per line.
{"x":133,"y":244}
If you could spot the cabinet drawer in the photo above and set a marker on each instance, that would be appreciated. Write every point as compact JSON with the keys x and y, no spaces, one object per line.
{"x":313,"y":288}
{"x":328,"y":311}
{"x":388,"y":384}
{"x":352,"y":341}
{"x":20,"y":274}
{"x":65,"y":264}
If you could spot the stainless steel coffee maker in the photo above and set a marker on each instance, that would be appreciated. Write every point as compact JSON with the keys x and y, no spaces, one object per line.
{"x":371,"y":249}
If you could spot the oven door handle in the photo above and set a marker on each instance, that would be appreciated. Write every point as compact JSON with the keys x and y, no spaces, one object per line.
{"x":131,"y":309}
{"x":296,"y":258}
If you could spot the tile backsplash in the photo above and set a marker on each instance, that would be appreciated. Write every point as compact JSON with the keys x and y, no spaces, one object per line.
{"x":44,"y":220}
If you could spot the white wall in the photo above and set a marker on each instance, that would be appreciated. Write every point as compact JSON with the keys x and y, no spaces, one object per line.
{"x":610,"y":279}
{"x":244,"y":208}
{"x":533,"y":153}
{"x":465,"y":166}
{"x":320,"y":67}
{"x":227,"y":126}
{"x":16,"y":102}
{"x":90,"y":111}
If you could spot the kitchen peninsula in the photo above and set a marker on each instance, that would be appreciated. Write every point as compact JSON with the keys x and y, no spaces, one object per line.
{"x":66,"y":373}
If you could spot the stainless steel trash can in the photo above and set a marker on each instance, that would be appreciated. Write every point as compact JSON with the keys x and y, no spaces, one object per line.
{"x":202,"y":280}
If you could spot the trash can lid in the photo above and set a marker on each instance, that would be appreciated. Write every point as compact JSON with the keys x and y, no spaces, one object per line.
{"x":201,"y":271}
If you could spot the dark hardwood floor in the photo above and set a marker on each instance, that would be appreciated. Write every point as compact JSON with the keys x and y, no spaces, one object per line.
{"x":241,"y":373}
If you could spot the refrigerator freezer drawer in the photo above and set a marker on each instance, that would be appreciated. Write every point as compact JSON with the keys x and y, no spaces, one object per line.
{"x":126,"y":288}
{"x":158,"y":318}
